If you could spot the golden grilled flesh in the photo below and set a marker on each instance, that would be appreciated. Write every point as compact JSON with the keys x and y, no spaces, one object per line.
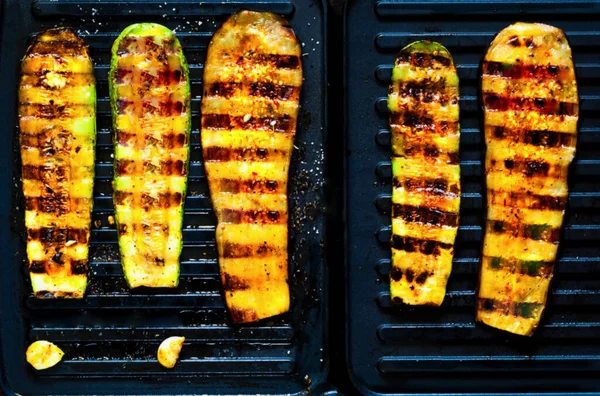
{"x":423,"y":104}
{"x":531,"y":111}
{"x":252,"y":81}
{"x":57,"y":120}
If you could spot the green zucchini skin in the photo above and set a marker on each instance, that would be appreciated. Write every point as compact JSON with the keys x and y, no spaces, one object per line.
{"x":151,"y":109}
{"x":57,"y":121}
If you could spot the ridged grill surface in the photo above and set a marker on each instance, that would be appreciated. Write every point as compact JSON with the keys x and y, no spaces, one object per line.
{"x":111,"y":337}
{"x":424,"y":349}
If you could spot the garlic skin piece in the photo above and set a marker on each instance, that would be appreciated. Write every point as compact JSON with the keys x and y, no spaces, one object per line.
{"x":168,"y":351}
{"x":43,"y":354}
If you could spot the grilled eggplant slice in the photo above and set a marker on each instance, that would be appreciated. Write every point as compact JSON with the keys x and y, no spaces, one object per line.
{"x":423,"y":104}
{"x":252,"y":82}
{"x":57,"y":119}
{"x":150,"y":102}
{"x":531,"y":110}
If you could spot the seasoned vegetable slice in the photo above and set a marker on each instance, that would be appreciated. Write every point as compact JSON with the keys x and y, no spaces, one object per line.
{"x":252,"y":82}
{"x":423,"y":104}
{"x":150,"y":102}
{"x":43,"y":354}
{"x":57,"y":120}
{"x":531,"y":110}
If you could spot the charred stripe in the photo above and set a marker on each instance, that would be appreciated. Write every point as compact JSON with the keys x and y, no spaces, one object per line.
{"x":58,"y":48}
{"x":536,"y":138}
{"x":397,"y":274}
{"x":164,"y":168}
{"x":527,"y":201}
{"x":264,"y":89}
{"x":425,"y":215}
{"x":428,"y":186}
{"x":54,"y":235}
{"x":52,"y":111}
{"x":536,"y":232}
{"x":423,"y":123}
{"x":510,"y":70}
{"x":429,"y":151}
{"x":237,"y":216}
{"x":58,"y":203}
{"x":423,"y":59}
{"x":169,"y":140}
{"x":224,"y":154}
{"x":44,"y":172}
{"x":238,"y":250}
{"x":233,"y":283}
{"x":224,"y":121}
{"x":242,"y":315}
{"x":167,"y":108}
{"x":256,"y":186}
{"x":495,"y":102}
{"x":277,"y":60}
{"x":161,"y":200}
{"x":523,"y":310}
{"x":427,"y":92}
{"x":425,"y":246}
{"x":523,"y":267}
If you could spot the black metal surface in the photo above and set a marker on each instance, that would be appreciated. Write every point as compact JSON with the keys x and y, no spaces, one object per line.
{"x":110,"y":338}
{"x":430,"y":350}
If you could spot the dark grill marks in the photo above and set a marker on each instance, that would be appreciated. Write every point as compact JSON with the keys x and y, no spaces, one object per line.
{"x":278,"y":61}
{"x":396,"y":274}
{"x":495,"y":102}
{"x":425,"y":246}
{"x":530,"y":267}
{"x":430,"y":186}
{"x":223,"y":154}
{"x":536,"y":232}
{"x":424,"y":60}
{"x":169,"y":140}
{"x":166,"y":108}
{"x":527,"y":201}
{"x":233,"y":283}
{"x":537,"y":138}
{"x":51,"y":111}
{"x":423,"y":123}
{"x":533,"y":168}
{"x":162,"y":200}
{"x":243,"y":315}
{"x":236,"y":216}
{"x":428,"y":151}
{"x":525,"y":71}
{"x":524,"y":310}
{"x":59,"y":48}
{"x":78,"y":267}
{"x":425,"y":215}
{"x":428,"y":92}
{"x":57,"y":204}
{"x":236,"y":250}
{"x":58,"y":235}
{"x":165,"y":168}
{"x":225,"y":121}
{"x":251,"y":186}
{"x":264,"y":89}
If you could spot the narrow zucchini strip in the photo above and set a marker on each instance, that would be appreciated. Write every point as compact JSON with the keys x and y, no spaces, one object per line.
{"x":57,"y":120}
{"x":423,"y":104}
{"x":150,"y":103}
{"x":252,"y":82}
{"x":531,"y":110}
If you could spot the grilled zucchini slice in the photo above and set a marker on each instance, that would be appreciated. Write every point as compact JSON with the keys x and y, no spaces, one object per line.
{"x":252,"y":82}
{"x":150,"y":103}
{"x":531,"y":110}
{"x":57,"y":120}
{"x":423,"y":104}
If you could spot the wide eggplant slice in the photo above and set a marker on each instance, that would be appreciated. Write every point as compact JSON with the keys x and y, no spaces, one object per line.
{"x":423,"y":104}
{"x":531,"y":111}
{"x":57,"y":120}
{"x":150,"y":103}
{"x":252,"y":82}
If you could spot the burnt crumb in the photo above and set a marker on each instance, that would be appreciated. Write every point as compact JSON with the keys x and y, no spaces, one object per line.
{"x":509,"y":164}
{"x":58,"y":258}
{"x":410,"y":275}
{"x":514,"y":41}
{"x":422,"y":277}
{"x":397,"y":300}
